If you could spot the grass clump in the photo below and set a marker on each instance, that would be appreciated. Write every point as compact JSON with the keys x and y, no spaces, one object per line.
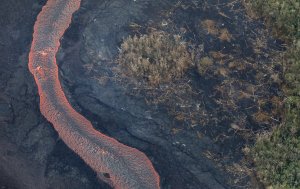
{"x":156,"y":57}
{"x":277,"y":154}
{"x":204,"y":64}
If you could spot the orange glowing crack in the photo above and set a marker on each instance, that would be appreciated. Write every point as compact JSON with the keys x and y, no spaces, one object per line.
{"x":123,"y":167}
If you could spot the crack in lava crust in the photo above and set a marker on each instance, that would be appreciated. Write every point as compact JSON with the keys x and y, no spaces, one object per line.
{"x":127,"y":167}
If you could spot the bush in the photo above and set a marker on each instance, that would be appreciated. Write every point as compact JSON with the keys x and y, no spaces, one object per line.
{"x":157,"y":57}
{"x":282,"y":15}
{"x":277,"y":155}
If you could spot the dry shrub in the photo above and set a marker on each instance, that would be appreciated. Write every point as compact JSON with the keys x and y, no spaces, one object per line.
{"x":157,"y":57}
{"x":204,"y":64}
{"x":210,"y":27}
{"x":225,"y":35}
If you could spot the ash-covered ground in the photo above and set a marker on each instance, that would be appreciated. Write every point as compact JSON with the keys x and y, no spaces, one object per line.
{"x":196,"y":130}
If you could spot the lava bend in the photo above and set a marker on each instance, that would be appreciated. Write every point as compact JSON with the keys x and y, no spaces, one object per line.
{"x":123,"y":167}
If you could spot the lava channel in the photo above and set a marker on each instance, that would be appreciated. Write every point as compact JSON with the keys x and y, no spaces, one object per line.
{"x":121,"y":166}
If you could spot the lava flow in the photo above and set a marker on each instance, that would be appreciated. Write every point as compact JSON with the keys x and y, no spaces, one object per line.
{"x":121,"y":166}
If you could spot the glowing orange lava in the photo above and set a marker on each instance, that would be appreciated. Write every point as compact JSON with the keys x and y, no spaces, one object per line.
{"x":127,"y":167}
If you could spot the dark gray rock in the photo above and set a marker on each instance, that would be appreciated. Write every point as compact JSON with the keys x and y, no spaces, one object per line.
{"x":5,"y":112}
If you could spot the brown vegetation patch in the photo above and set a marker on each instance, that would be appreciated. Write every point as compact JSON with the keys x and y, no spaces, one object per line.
{"x":211,"y":27}
{"x":157,"y":57}
{"x":225,"y":35}
{"x":204,"y":64}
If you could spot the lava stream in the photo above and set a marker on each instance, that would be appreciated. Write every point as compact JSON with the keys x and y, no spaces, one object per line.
{"x":121,"y":166}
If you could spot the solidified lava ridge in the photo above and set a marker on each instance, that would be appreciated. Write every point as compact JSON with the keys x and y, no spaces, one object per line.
{"x":123,"y":167}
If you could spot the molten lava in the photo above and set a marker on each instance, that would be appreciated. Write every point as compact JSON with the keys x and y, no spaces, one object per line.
{"x":121,"y":166}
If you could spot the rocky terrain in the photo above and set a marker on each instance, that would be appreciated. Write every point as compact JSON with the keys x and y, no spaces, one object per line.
{"x":33,"y":156}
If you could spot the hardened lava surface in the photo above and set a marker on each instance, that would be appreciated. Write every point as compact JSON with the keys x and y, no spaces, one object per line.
{"x":119,"y":165}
